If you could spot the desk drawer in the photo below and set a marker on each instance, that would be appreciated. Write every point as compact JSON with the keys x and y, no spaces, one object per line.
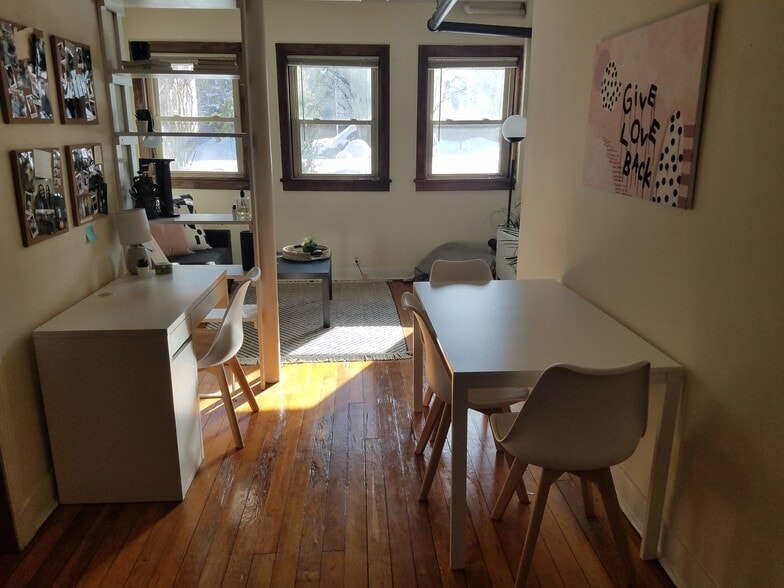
{"x":217,"y":295}
{"x":179,"y":336}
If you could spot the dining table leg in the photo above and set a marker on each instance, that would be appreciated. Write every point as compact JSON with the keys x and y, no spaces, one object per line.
{"x":418,"y":367}
{"x":457,"y":542}
{"x":662,"y":449}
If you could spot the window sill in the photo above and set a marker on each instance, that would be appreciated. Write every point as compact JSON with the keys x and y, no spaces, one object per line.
{"x":211,"y":183}
{"x":336,"y":185}
{"x":461,"y":184}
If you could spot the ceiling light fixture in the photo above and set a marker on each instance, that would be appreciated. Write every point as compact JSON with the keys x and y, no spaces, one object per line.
{"x":436,"y":23}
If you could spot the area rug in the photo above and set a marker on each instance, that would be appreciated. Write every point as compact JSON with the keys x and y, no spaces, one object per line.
{"x":365,"y":325}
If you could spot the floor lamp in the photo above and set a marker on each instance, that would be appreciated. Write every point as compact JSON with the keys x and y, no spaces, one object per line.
{"x":513,"y":130}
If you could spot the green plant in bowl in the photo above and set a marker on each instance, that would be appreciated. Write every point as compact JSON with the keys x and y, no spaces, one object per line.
{"x":309,"y":245}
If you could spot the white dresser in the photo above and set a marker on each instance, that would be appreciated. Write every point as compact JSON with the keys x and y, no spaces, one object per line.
{"x":119,"y":383}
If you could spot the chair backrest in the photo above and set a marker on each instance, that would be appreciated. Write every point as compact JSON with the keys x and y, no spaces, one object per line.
{"x":468,"y":270}
{"x":582,"y":419}
{"x":437,"y":375}
{"x":229,"y":337}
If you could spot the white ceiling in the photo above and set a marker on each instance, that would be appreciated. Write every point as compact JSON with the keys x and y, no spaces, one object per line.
{"x":233,"y":3}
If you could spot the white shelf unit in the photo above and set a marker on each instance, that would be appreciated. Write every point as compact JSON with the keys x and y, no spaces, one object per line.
{"x":202,"y":219}
{"x":120,"y":78}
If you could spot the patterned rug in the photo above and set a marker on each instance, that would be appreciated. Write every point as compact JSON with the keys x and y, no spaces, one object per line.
{"x":364,"y":324}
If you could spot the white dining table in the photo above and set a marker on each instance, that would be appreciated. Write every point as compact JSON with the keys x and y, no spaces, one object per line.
{"x":507,"y":332}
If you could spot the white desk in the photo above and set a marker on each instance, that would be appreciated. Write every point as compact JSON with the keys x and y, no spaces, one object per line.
{"x":508,"y":332}
{"x":120,"y":387}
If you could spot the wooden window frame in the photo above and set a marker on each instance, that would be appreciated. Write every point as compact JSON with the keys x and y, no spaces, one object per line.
{"x":472,"y":182}
{"x":197,"y":181}
{"x":380,"y":181}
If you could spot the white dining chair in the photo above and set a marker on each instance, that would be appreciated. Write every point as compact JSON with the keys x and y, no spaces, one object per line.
{"x":465,"y":270}
{"x":580,"y":421}
{"x":250,"y":313}
{"x":222,"y":354}
{"x":444,"y":271}
{"x":486,"y":400}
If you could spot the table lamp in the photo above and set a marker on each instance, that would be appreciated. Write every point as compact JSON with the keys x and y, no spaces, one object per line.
{"x":134,"y":231}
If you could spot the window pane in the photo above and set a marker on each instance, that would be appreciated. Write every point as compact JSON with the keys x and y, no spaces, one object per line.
{"x":468,"y":94}
{"x":202,"y":97}
{"x":466,"y":149}
{"x":184,"y":104}
{"x":201,"y":154}
{"x":334,"y":92}
{"x":336,"y":149}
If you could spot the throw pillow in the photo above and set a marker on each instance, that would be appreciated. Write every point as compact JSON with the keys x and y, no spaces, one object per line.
{"x":171,"y":239}
{"x":194,"y":234}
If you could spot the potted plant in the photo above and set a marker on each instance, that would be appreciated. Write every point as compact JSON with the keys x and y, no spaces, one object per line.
{"x":145,"y":194}
{"x":143,"y":268}
{"x":142,"y":121}
{"x":507,"y":239}
{"x":309,"y":245}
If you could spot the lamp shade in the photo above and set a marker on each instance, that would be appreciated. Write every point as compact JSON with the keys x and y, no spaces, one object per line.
{"x":513,"y":129}
{"x":132,"y":226}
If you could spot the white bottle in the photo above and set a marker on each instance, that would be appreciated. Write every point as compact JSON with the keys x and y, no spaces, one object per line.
{"x":243,"y":207}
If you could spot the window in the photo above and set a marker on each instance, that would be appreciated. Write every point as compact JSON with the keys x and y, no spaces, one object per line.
{"x":463,"y":96}
{"x":202,"y":109}
{"x":334,"y":116}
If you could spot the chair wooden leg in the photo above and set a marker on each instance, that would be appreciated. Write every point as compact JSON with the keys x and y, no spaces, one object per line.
{"x":433,"y":417}
{"x":548,"y":477}
{"x":511,"y":483}
{"x":610,"y":499}
{"x":428,"y":396}
{"x":435,"y":455}
{"x":522,"y":491}
{"x":231,"y":416}
{"x":587,"y":498}
{"x":239,"y":373}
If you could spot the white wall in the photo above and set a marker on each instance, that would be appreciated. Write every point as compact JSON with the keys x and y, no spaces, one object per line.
{"x":44,"y":279}
{"x":389,"y":231}
{"x":704,"y":285}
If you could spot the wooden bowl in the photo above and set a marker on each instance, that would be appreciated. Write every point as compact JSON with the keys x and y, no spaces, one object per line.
{"x":295,"y":253}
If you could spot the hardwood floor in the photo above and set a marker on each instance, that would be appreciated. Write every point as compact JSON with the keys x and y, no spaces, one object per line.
{"x":325,"y":491}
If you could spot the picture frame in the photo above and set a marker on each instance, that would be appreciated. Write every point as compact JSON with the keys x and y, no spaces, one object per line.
{"x":24,"y":75}
{"x":75,"y":81}
{"x":645,"y":112}
{"x":38,"y":181}
{"x":89,"y":198}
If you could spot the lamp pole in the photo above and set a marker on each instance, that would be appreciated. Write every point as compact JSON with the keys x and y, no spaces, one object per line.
{"x":513,"y":130}
{"x":512,"y":178}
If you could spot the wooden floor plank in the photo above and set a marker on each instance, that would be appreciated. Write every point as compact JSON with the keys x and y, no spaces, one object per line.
{"x":392,"y":456}
{"x":332,"y":569}
{"x":275,"y":504}
{"x":239,"y":570}
{"x":287,"y":554}
{"x":379,"y":559}
{"x":325,"y":491}
{"x":314,"y":511}
{"x":20,"y":568}
{"x":356,"y":559}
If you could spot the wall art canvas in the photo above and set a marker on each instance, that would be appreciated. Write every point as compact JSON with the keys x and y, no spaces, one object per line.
{"x":88,"y":189}
{"x":38,"y":179}
{"x":645,"y":109}
{"x":75,"y":83}
{"x":24,"y":75}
